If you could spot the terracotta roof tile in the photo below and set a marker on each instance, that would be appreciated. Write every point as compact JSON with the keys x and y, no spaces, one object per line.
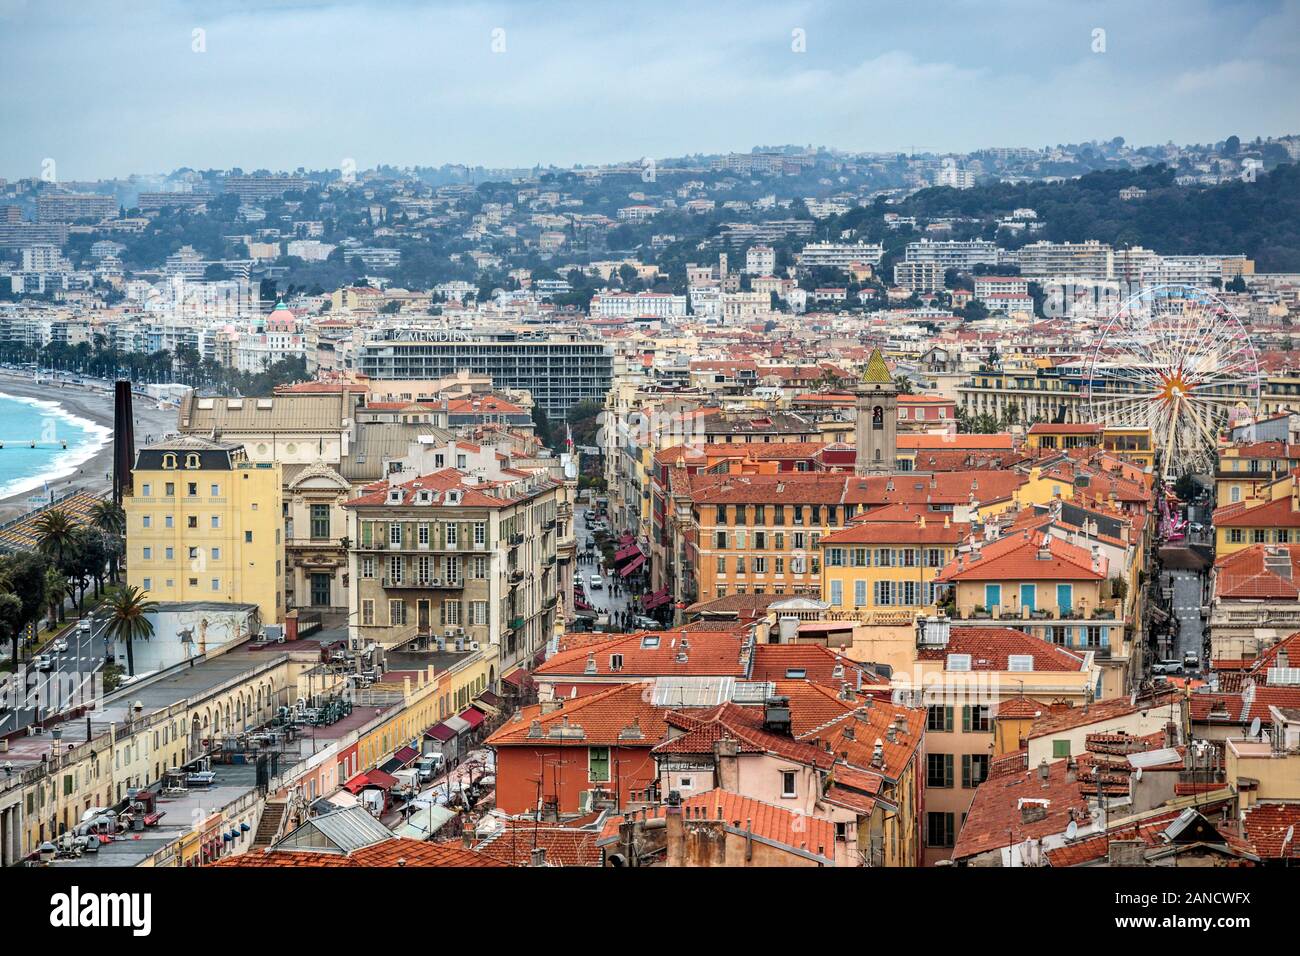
{"x":620,"y":716}
{"x":990,"y":649}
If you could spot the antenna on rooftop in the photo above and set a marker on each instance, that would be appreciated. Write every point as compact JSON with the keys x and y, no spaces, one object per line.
{"x":1072,"y":830}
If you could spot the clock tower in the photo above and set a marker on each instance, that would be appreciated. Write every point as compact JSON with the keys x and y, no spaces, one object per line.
{"x":877,"y":419}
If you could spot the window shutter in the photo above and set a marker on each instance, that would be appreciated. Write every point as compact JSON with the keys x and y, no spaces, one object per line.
{"x":965,"y":770}
{"x":965,"y":721}
{"x":947,"y":721}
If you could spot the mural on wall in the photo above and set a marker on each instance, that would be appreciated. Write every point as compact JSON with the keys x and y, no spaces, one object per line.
{"x":188,"y":631}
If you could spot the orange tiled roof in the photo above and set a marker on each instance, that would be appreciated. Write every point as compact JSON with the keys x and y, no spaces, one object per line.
{"x":990,"y":649}
{"x":707,"y":653}
{"x":818,"y":663}
{"x":1016,"y":557}
{"x":514,"y":843}
{"x":621,"y":716}
{"x":1067,"y":718}
{"x":766,"y":821}
{"x":1245,"y":575}
{"x":995,"y":818}
{"x":1277,"y":513}
{"x":1266,"y":826}
{"x":388,"y":853}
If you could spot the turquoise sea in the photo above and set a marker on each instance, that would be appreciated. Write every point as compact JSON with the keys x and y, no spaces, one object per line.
{"x":63,"y":442}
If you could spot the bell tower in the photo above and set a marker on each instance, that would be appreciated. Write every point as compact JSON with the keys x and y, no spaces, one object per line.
{"x":877,"y":419}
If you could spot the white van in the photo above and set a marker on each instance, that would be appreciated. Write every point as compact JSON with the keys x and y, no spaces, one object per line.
{"x":597,"y":583}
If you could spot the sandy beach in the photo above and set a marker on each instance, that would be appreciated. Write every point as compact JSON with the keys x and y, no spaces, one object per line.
{"x":96,"y":406}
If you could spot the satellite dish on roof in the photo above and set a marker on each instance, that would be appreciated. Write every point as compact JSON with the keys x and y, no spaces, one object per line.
{"x":1290,"y":835}
{"x":1137,"y":774}
{"x":1072,"y":830}
{"x":1254,"y":727}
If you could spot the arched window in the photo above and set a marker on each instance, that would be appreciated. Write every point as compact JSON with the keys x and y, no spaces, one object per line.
{"x":878,"y":418}
{"x":169,"y":461}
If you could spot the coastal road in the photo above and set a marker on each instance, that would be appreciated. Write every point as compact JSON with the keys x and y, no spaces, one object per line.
{"x":70,"y":683}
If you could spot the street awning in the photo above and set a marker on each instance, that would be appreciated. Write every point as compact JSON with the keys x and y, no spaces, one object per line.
{"x":458,"y":725}
{"x":657,"y":598}
{"x":623,"y":554}
{"x":517,"y":678}
{"x":472,"y":716}
{"x":440,"y":732}
{"x":425,"y":822}
{"x":626,"y":539}
{"x":488,"y":700}
{"x":399,"y":759}
{"x":372,"y":778}
{"x":632,"y":566}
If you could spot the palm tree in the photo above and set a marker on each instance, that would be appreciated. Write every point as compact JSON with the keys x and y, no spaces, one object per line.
{"x":56,"y":588}
{"x":54,"y":531}
{"x":108,"y":516}
{"x":125,"y":610}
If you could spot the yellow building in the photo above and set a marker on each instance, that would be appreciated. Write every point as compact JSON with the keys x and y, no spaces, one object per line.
{"x":1130,"y":444}
{"x":1040,"y":583}
{"x":204,"y":524}
{"x":1273,"y":517}
{"x":1245,"y":471}
{"x":887,"y":561}
{"x":1053,"y":436}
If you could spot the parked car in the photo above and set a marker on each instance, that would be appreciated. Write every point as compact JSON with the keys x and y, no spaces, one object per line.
{"x":428,"y":766}
{"x":1169,"y":666}
{"x":641,"y":622}
{"x":1192,"y":662}
{"x":597,"y":583}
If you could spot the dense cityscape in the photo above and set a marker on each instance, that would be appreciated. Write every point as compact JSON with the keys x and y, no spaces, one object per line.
{"x":790,"y":506}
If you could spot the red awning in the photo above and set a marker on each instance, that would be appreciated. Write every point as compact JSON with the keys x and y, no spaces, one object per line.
{"x":406,"y":755}
{"x":518,"y":678}
{"x":622,"y":554}
{"x":373,"y":778}
{"x":472,"y":716}
{"x":632,"y":566}
{"x":656,"y":599}
{"x":626,"y":539}
{"x":441,"y":732}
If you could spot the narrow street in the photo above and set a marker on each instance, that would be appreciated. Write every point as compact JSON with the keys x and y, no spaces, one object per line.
{"x":605,"y":600}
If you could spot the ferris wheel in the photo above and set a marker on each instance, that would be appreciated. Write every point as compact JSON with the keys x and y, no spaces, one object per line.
{"x":1174,"y":359}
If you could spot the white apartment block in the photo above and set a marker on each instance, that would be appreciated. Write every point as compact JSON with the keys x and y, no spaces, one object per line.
{"x":628,"y":305}
{"x":760,"y":261}
{"x":919,"y":275}
{"x":1067,"y":260}
{"x":953,"y":253}
{"x":986,"y":286}
{"x":839,"y":255}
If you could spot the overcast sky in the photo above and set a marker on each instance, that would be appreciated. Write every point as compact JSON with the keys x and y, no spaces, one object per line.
{"x":111,"y":87}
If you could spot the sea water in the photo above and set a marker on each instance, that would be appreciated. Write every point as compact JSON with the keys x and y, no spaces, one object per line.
{"x":51,"y":427}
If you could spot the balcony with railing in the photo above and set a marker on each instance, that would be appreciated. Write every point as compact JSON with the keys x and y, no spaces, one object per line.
{"x":423,"y":583}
